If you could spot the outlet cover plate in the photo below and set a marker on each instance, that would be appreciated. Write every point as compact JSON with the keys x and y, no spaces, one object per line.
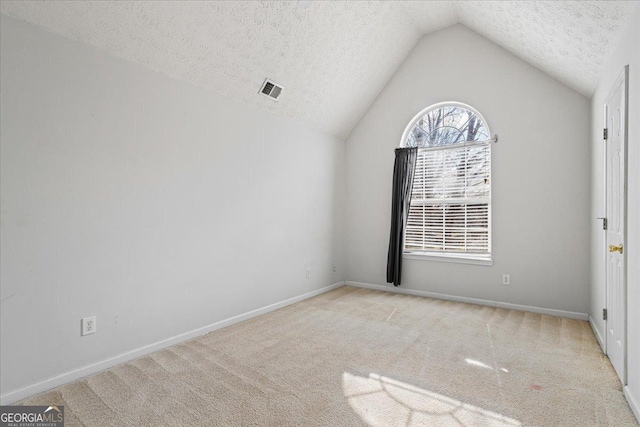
{"x":88,"y":325}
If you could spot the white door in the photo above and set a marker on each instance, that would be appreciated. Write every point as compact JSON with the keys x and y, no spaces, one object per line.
{"x":615,"y":187}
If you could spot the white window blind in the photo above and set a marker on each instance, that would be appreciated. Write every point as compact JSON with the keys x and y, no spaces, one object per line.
{"x":451,"y":201}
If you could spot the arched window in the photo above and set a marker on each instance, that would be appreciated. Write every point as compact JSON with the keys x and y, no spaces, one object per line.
{"x":450,"y":214}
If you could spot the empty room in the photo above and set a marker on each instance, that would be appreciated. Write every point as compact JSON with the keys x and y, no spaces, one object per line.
{"x":320,"y":213}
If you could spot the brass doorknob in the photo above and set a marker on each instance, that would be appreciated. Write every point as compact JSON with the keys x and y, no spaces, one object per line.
{"x":613,"y":248}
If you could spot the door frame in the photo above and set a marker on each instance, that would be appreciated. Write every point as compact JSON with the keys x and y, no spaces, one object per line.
{"x":622,"y":79}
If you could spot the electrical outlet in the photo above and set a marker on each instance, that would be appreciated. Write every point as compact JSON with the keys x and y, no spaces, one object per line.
{"x":506,"y":279}
{"x":88,"y":325}
{"x":335,"y":268}
{"x":308,"y":272}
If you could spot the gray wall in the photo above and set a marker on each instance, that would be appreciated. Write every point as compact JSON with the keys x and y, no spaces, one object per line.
{"x":541,"y":169}
{"x":627,"y":53}
{"x":155,"y":205}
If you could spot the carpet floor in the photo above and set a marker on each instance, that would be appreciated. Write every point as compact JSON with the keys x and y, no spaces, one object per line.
{"x":353,"y":357}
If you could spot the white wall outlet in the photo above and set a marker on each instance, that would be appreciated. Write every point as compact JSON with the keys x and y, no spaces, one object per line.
{"x":88,"y":325}
{"x":506,"y":279}
{"x":308,"y":272}
{"x":335,"y":268}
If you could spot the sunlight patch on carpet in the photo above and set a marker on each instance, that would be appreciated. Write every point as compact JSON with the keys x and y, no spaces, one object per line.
{"x":382,"y":401}
{"x":478,"y":363}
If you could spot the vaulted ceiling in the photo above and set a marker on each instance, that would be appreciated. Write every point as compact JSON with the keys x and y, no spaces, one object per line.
{"x":333,"y":58}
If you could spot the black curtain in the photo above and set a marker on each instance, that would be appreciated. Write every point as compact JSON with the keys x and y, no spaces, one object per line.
{"x":403,"y":171}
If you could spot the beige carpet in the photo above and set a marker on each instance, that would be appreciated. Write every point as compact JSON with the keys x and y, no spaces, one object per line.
{"x":359,"y":357}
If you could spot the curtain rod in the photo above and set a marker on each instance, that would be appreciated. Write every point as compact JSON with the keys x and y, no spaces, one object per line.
{"x":462,"y":144}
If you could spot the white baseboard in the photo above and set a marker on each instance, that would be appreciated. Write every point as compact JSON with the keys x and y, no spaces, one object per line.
{"x":633,"y":403}
{"x":67,"y":377}
{"x":498,"y":304}
{"x":596,"y":332}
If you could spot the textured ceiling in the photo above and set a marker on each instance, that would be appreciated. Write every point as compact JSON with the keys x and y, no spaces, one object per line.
{"x":333,"y":58}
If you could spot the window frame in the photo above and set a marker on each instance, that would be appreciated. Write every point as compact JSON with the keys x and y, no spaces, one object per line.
{"x":452,"y":257}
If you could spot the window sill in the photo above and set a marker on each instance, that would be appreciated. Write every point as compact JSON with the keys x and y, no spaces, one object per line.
{"x":458,"y":259}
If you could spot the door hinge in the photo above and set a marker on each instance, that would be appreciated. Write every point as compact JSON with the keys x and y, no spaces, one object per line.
{"x":604,"y":314}
{"x":605,"y":134}
{"x":604,"y":223}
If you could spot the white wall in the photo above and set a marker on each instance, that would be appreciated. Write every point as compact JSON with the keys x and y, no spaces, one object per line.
{"x":148,"y":202}
{"x":627,"y":53}
{"x":540,"y":175}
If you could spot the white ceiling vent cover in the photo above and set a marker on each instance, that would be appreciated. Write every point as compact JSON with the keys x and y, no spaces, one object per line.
{"x":271,"y":89}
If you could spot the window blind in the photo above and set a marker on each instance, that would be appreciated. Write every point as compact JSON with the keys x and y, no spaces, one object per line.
{"x":451,"y":200}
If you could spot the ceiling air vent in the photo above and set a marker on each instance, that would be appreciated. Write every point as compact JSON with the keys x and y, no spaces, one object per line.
{"x":271,"y":89}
